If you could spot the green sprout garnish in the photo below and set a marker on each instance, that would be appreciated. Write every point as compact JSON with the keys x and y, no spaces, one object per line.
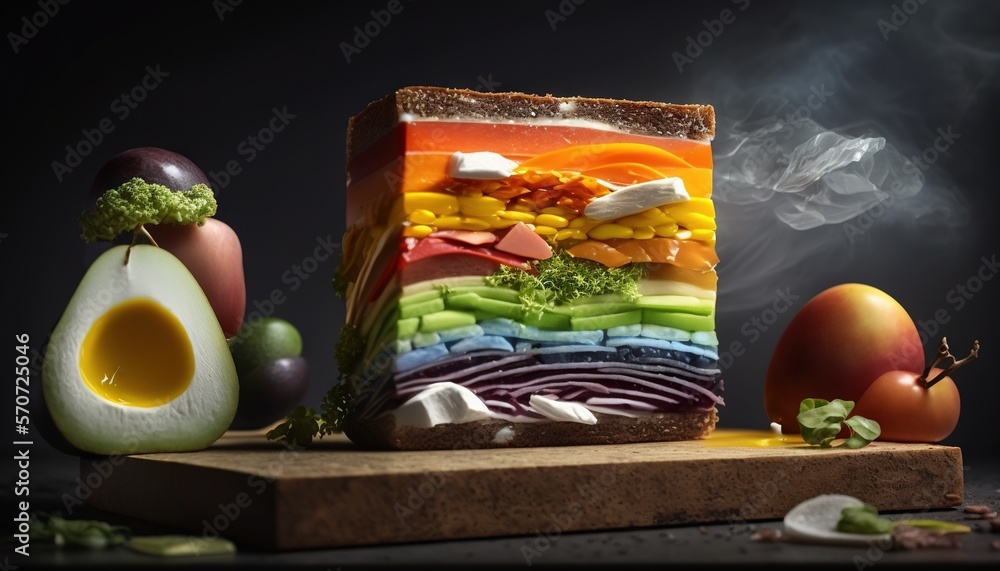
{"x":304,"y":423}
{"x":820,"y":421}
{"x":864,"y":519}
{"x":136,"y":203}
{"x":563,"y":278}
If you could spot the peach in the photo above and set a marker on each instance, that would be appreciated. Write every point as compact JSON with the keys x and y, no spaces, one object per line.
{"x":836,"y":346}
{"x":214,"y":256}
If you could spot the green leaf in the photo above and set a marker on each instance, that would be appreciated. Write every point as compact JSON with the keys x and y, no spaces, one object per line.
{"x":945,"y":526}
{"x":822,"y":436}
{"x":298,"y":429}
{"x":855,"y":442}
{"x":863,"y":519}
{"x":820,"y":421}
{"x":866,"y":428}
{"x":809,"y":404}
{"x":824,"y":414}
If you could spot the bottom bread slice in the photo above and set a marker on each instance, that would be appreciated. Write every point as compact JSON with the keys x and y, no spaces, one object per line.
{"x":382,"y":432}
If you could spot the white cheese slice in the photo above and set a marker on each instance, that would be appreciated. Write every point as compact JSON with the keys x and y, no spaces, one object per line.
{"x":635,"y":198}
{"x":483,"y":165}
{"x":441,"y":403}
{"x":562,"y":411}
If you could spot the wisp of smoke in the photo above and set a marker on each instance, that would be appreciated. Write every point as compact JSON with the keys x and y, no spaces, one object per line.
{"x":810,"y":175}
{"x":791,"y":178}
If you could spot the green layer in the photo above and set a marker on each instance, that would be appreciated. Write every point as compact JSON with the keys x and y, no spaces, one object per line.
{"x":454,"y":304}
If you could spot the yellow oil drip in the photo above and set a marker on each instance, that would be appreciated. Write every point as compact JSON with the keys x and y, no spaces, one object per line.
{"x":138,"y":354}
{"x":727,"y":438}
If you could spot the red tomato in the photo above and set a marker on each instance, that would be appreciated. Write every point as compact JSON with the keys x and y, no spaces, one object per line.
{"x":907,"y":411}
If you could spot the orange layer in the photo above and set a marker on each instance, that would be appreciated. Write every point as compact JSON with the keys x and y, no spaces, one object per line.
{"x":423,"y":172}
{"x":513,"y":140}
{"x":618,"y":252}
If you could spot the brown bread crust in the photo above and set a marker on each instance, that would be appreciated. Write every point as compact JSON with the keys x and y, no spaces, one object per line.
{"x":382,"y":433}
{"x":696,"y":122}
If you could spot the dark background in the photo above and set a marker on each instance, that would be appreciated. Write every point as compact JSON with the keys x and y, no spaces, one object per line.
{"x":230,"y":67}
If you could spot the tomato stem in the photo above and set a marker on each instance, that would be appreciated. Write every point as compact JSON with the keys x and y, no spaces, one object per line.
{"x":943,"y":354}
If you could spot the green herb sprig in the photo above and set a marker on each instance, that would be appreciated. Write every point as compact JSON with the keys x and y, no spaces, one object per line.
{"x":563,"y":278}
{"x":820,"y":421}
{"x":304,"y":423}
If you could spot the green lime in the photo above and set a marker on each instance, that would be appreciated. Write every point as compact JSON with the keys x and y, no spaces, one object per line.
{"x":262,"y":341}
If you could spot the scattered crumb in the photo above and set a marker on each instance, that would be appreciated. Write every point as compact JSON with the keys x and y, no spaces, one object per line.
{"x":977,"y":509}
{"x":504,"y":435}
{"x":995,"y":545}
{"x":953,"y":499}
{"x":766,"y":534}
{"x":703,"y":529}
{"x":995,"y":525}
{"x":906,"y":537}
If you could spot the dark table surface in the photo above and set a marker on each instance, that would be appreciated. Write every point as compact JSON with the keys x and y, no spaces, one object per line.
{"x":721,"y":544}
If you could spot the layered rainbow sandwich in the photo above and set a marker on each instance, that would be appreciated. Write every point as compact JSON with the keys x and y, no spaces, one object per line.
{"x":528,"y":270}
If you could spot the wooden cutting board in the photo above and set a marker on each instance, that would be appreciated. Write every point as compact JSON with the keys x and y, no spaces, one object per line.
{"x":335,"y":494}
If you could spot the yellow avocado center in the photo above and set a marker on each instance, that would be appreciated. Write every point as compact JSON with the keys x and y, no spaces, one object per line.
{"x":138,"y":354}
